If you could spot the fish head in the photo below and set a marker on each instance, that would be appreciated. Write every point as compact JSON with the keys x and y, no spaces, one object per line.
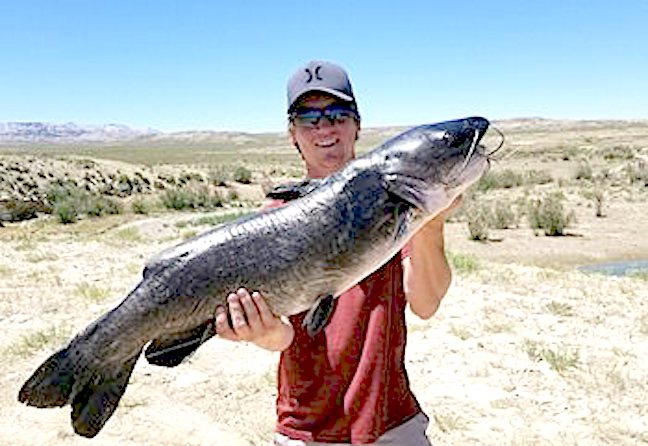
{"x":430,"y":165}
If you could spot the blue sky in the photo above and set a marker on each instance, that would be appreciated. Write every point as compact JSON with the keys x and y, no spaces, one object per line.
{"x":197,"y":65}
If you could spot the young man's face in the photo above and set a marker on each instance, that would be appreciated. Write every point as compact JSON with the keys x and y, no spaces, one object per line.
{"x":325,"y":146}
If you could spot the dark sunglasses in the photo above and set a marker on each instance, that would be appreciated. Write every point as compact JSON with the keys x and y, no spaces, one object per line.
{"x":311,"y":117}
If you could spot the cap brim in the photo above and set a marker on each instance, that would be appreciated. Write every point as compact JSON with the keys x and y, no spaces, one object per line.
{"x":332,"y":92}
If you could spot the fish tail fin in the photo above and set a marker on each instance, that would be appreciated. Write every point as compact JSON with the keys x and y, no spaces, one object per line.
{"x":94,"y":393}
{"x":97,"y":400}
{"x":51,"y":384}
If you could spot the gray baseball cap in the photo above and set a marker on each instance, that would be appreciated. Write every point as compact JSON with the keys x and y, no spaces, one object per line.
{"x":318,"y":75}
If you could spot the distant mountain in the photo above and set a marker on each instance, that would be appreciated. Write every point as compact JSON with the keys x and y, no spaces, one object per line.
{"x":71,"y":133}
{"x":68,"y":132}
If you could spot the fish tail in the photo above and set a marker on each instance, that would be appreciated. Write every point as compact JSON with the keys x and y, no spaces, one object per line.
{"x":95,"y":403}
{"x":94,"y":393}
{"x":51,"y":384}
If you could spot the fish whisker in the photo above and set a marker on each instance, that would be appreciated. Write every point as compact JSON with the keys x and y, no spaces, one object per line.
{"x":502,"y":156}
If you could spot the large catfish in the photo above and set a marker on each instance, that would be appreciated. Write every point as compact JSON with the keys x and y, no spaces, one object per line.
{"x":337,"y":231}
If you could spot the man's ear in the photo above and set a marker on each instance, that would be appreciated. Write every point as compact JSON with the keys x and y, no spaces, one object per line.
{"x":293,"y":139}
{"x":291,"y":135}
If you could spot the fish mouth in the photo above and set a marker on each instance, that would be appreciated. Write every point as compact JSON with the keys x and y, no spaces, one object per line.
{"x":462,"y":175}
{"x":475,"y":163}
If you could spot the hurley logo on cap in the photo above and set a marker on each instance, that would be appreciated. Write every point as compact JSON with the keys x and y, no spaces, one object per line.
{"x":310,"y":74}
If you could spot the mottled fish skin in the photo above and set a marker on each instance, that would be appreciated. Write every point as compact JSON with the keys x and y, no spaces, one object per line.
{"x":336,"y":232}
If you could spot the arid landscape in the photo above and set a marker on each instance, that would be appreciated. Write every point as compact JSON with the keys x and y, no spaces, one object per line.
{"x":526,"y":349}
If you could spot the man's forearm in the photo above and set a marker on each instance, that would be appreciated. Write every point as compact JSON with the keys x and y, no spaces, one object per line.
{"x":428,"y":277}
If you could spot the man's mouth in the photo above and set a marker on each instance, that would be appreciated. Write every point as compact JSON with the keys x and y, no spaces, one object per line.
{"x":326,"y":143}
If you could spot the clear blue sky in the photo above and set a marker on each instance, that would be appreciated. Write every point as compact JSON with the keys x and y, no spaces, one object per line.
{"x":223,"y":65}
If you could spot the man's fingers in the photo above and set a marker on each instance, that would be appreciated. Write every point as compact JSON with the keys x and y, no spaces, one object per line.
{"x":247,"y":317}
{"x":250,"y":310}
{"x":223,"y":328}
{"x":266,"y":316}
{"x":239,"y":322}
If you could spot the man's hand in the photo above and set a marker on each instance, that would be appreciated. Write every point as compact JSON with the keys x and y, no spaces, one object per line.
{"x":253,"y":321}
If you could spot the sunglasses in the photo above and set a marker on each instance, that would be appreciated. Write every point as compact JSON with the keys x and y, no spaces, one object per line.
{"x":310,"y":117}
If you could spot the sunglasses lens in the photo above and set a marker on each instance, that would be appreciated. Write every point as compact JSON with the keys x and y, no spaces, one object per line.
{"x":310,"y":118}
{"x":307,"y":119}
{"x":339,"y":115}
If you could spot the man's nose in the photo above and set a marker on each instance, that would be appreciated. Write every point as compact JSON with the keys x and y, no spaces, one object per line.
{"x":324,"y":122}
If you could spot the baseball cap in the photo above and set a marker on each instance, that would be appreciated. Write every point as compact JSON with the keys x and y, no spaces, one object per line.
{"x":319,"y":75}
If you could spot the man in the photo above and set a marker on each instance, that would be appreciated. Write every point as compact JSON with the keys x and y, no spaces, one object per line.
{"x":347,"y":384}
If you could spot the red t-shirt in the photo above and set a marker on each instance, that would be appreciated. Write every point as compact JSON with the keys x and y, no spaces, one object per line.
{"x":348,"y":384}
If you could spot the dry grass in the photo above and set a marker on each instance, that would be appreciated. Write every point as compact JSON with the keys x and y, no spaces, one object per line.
{"x":39,"y":340}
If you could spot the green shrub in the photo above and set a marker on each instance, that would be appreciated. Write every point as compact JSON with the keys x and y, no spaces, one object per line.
{"x":197,"y":197}
{"x":568,"y":152}
{"x":60,"y":190}
{"x":503,"y":216}
{"x":507,"y":179}
{"x":189,"y":177}
{"x":479,"y":218}
{"x":202,"y":197}
{"x":65,"y":201}
{"x":559,"y":359}
{"x":583,"y":171}
{"x":504,"y":179}
{"x":618,"y":153}
{"x":242,"y":175}
{"x":139,"y":206}
{"x":176,"y":199}
{"x":96,"y":206}
{"x":19,"y":210}
{"x":463,"y":263}
{"x":67,"y":210}
{"x":219,"y":176}
{"x":641,"y":275}
{"x":598,"y":196}
{"x":538,"y":177}
{"x":637,"y":172}
{"x":548,"y":214}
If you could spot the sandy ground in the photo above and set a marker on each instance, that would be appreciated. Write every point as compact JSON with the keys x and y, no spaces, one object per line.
{"x":525,"y":350}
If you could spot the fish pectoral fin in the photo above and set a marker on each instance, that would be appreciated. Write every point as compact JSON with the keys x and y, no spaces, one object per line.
{"x":319,"y":315}
{"x":95,"y":402}
{"x":170,"y":351}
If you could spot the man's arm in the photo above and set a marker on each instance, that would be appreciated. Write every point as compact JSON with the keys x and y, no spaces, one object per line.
{"x":426,"y":273}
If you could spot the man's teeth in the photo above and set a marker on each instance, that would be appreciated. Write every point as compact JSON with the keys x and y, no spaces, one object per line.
{"x":326,"y":143}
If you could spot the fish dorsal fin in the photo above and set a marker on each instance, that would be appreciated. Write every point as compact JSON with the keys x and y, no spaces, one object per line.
{"x":293,"y":191}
